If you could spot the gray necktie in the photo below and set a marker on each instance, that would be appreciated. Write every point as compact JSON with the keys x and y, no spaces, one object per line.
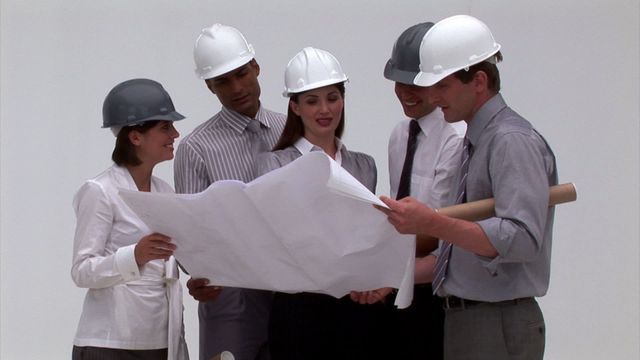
{"x":440,"y":270}
{"x":258,"y":145}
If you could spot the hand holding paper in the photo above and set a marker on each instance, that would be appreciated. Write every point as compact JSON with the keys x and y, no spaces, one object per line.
{"x":308,"y":226}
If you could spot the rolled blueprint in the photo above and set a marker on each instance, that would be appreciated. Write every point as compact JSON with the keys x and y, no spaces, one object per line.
{"x":484,"y":209}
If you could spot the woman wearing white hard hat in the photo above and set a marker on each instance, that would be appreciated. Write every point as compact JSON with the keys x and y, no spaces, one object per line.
{"x":306,"y":325}
{"x":133,"y":306}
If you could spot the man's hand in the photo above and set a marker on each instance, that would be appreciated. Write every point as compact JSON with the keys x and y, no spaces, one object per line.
{"x":408,"y":215}
{"x":201,"y":291}
{"x":370,"y":297}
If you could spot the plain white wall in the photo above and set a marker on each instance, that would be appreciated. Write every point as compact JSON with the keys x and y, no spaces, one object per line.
{"x":571,"y":67}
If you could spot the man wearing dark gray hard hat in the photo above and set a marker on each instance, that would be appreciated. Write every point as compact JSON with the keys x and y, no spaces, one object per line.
{"x":424,"y":154}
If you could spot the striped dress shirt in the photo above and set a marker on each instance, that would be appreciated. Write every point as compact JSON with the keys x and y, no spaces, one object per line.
{"x":220,"y":149}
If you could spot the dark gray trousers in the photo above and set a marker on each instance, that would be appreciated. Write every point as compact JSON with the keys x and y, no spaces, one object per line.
{"x":503,"y":331}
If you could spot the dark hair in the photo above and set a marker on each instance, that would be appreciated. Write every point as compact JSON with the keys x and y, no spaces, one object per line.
{"x":124,"y":153}
{"x":294,"y":129}
{"x":493,"y":76}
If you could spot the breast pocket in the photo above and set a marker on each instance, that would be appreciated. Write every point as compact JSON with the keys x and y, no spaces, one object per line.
{"x":421,"y":187}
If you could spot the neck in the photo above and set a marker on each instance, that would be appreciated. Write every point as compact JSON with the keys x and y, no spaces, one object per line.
{"x":328,"y":145}
{"x":480,"y":101}
{"x":252,"y":112}
{"x":141,"y":175}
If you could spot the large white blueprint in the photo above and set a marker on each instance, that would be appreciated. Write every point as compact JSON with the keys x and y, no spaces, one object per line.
{"x":308,"y":226}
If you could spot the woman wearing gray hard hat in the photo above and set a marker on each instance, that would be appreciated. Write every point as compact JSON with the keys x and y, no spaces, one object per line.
{"x":133,"y":306}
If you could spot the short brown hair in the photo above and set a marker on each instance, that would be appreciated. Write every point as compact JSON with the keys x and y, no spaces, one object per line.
{"x":124,"y":153}
{"x":489,"y":68}
{"x":294,"y":129}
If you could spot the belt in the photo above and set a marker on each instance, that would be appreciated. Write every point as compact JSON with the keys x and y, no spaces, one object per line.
{"x":454,"y":302}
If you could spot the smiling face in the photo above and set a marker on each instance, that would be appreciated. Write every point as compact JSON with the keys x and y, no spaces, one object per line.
{"x":156,"y":144}
{"x":321,"y":112}
{"x":238,"y":89}
{"x":414,"y":100}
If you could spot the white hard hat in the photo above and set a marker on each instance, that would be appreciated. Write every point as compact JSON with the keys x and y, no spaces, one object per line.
{"x":310,"y":69}
{"x":453,"y":44}
{"x":220,"y":49}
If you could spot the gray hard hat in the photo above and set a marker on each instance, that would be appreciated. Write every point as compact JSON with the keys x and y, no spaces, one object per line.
{"x":404,"y":64}
{"x":135,"y":101}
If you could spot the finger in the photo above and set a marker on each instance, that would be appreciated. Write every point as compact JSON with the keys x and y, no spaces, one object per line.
{"x":161,"y":242}
{"x":160,"y":236}
{"x":197,"y":283}
{"x":389,"y":202}
{"x":383,"y":209}
{"x":208,"y":293}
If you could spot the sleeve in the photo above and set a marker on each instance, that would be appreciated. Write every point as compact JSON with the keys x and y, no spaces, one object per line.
{"x":92,"y":267}
{"x":374,"y":173}
{"x":445,"y":172}
{"x":190,"y":171}
{"x":520,"y":185}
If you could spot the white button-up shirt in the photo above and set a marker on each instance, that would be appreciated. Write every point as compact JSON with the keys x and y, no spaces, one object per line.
{"x":436,"y":160}
{"x":127,"y":306}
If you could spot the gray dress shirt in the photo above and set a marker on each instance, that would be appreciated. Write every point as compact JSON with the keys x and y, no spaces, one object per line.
{"x":361,"y":166}
{"x":220,"y":149}
{"x":512,"y":163}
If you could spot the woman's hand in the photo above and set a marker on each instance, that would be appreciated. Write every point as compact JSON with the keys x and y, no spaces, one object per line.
{"x":153,"y":247}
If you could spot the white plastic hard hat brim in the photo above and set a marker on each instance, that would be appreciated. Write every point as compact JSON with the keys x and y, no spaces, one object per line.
{"x":432,"y":78}
{"x":173,"y":116}
{"x":210,"y":73}
{"x":398,"y":75}
{"x":315,"y":85}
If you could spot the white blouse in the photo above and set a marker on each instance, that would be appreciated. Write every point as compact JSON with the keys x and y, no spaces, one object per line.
{"x":126,"y":306}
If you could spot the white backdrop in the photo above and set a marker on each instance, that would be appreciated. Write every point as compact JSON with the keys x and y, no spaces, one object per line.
{"x":571,"y":67}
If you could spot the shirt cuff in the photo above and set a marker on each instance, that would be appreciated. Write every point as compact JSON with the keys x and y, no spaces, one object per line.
{"x":491,"y":228}
{"x":126,"y":263}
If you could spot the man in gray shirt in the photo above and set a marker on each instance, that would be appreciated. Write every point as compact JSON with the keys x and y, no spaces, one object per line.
{"x":488,"y":272}
{"x":224,"y":148}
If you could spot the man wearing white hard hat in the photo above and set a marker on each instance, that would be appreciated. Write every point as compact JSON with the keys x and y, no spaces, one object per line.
{"x":488,"y":272}
{"x":223,"y":148}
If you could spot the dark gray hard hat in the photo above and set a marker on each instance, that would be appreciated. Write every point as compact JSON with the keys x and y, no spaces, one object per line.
{"x":404,"y":64}
{"x":135,"y":101}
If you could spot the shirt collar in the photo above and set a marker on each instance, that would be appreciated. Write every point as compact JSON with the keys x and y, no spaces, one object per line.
{"x":430,"y":121}
{"x":483,"y":116}
{"x":305,"y":146}
{"x":239,"y":122}
{"x":125,"y":178}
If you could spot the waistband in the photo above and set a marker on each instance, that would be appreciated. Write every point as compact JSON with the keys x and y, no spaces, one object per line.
{"x":454,"y":302}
